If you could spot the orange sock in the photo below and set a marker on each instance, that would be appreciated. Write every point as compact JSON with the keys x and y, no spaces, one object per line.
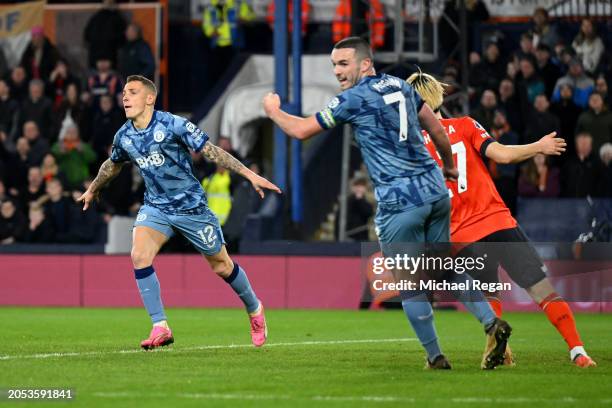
{"x":561,"y":316}
{"x":496,"y":305}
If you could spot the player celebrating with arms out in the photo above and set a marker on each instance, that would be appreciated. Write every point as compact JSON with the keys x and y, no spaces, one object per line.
{"x":413,"y":203}
{"x":158,"y":143}
{"x":479,"y":215}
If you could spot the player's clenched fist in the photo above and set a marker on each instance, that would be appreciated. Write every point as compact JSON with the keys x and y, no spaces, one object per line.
{"x":271,"y":103}
{"x":552,"y":145}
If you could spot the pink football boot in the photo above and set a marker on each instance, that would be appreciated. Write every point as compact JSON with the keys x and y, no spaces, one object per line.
{"x":160,"y":336}
{"x":259,"y":329}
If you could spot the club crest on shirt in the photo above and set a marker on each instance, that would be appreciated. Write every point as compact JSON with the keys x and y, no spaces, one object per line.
{"x":159,"y":136}
{"x":141,"y":217}
{"x":190,"y":127}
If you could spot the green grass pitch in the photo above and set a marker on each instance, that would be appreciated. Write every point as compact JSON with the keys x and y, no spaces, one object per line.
{"x":313,"y":358}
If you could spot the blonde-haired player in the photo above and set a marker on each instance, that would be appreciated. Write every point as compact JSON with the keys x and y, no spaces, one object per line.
{"x":480,"y":218}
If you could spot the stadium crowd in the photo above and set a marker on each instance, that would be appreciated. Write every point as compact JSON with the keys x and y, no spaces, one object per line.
{"x":56,"y":127}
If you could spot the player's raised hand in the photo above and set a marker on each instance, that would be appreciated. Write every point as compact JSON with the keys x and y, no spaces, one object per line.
{"x":552,"y":145}
{"x":271,"y":103}
{"x":87,"y":197}
{"x":259,"y":184}
{"x":450,"y":174}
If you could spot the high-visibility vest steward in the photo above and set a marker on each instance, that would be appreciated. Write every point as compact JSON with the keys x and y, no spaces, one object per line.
{"x":341,"y":25}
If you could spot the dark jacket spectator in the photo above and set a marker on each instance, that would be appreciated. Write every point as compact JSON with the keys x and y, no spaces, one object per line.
{"x":567,"y":112}
{"x":504,"y":175}
{"x":38,"y":108}
{"x":40,"y":229}
{"x":597,"y":121}
{"x":9,"y":112}
{"x":13,"y":223}
{"x":358,"y":211}
{"x":488,"y":72}
{"x":509,"y":103}
{"x":20,"y":162}
{"x":548,"y":71}
{"x":529,"y":83}
{"x":103,"y":82}
{"x":105,"y":124}
{"x":582,"y":173}
{"x":18,"y":82}
{"x":40,"y":56}
{"x":135,"y":57}
{"x":39,"y":147}
{"x":543,"y":31}
{"x":4,"y":67}
{"x":539,"y":179}
{"x":104,"y":34}
{"x":57,"y":206}
{"x":34,"y":189}
{"x":601,"y":87}
{"x":485,"y":112}
{"x":50,"y":170}
{"x":541,"y":121}
{"x":59,"y":79}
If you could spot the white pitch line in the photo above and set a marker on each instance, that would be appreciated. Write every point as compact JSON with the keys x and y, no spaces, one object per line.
{"x":198,"y":348}
{"x":336,"y":398}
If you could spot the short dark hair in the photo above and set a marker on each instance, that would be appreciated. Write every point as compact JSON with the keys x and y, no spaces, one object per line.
{"x":361,"y":47}
{"x":143,"y":80}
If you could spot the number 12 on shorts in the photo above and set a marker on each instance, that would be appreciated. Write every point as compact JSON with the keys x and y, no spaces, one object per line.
{"x":208,"y":235}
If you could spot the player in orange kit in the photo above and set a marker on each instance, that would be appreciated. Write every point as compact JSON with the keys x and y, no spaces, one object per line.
{"x":480,"y":218}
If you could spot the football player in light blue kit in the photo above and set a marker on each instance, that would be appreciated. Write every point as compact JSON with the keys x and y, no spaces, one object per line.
{"x":413,"y":201}
{"x":174,"y":202}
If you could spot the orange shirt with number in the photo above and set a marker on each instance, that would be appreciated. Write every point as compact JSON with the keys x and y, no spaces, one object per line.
{"x":477,"y":209}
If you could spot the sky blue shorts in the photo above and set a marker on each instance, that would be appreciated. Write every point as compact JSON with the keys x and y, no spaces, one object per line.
{"x":428,"y":223}
{"x":200,"y":226}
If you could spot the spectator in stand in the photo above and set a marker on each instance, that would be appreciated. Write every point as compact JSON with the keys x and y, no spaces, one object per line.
{"x":136,"y":58}
{"x":504,"y":175}
{"x":38,"y":146}
{"x":119,"y":199}
{"x":567,"y":112}
{"x":73,"y":111}
{"x":34,"y":190}
{"x":601,"y":87}
{"x":103,"y":82}
{"x":105,"y":124}
{"x":527,"y":48}
{"x":359,"y":211}
{"x":588,"y":46}
{"x":9,"y":112}
{"x":580,"y":82}
{"x":541,"y":122}
{"x":13,"y":223}
{"x":488,"y":72}
{"x":544,"y":32}
{"x":605,"y":154}
{"x":539,"y":178}
{"x":38,"y":108}
{"x":20,"y":162}
{"x":582,"y":173}
{"x":83,"y":225}
{"x":104,"y":34}
{"x":4,"y":67}
{"x":485,"y":112}
{"x":40,"y":229}
{"x":40,"y":56}
{"x":597,"y":121}
{"x":509,"y":103}
{"x":4,"y":195}
{"x":59,"y":79}
{"x":51,"y":170}
{"x":57,"y":206}
{"x":18,"y":82}
{"x":548,"y":71}
{"x":73,"y":157}
{"x":529,"y":83}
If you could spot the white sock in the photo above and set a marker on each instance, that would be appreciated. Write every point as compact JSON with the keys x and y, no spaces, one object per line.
{"x":576,"y":351}
{"x":162,"y":323}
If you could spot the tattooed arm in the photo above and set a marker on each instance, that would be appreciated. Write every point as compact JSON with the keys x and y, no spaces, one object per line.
{"x":222,"y":158}
{"x":108,"y":171}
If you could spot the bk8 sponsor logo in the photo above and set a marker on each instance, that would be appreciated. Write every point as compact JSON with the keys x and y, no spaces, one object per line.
{"x":154,"y":159}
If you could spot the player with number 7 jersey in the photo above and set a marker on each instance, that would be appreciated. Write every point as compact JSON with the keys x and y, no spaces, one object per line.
{"x":481,"y":224}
